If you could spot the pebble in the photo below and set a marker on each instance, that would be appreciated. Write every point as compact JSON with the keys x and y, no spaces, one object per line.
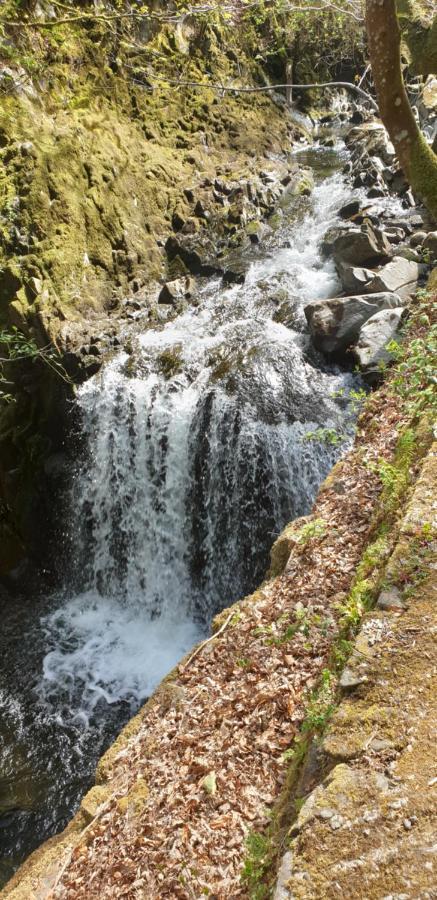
{"x":407,"y":824}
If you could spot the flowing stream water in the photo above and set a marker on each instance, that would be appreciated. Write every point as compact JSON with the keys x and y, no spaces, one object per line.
{"x":195,"y":455}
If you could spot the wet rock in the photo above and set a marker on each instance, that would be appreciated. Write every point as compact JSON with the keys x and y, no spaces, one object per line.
{"x":234,"y":275}
{"x":176,"y":291}
{"x":331,"y":236}
{"x":399,"y":275}
{"x":336,"y":324}
{"x":395,"y":235}
{"x":257,"y":232}
{"x":365,"y":247}
{"x":371,"y":351}
{"x":349,"y":209}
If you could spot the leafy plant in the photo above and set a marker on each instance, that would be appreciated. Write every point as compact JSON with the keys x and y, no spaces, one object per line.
{"x":256,"y":865}
{"x":325,"y":436}
{"x":311,"y":530}
{"x":16,"y":347}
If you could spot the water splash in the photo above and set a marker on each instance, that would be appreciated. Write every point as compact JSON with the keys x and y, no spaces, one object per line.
{"x":189,"y":475}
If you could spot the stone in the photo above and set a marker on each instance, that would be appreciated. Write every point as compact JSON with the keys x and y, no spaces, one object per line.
{"x":174,"y":292}
{"x":408,"y":253}
{"x":354,"y":279}
{"x":201,"y":211}
{"x":335,"y":324}
{"x":365,"y":247}
{"x":371,"y":351}
{"x":430,"y":244}
{"x":234,"y":275}
{"x":349,"y":209}
{"x":331,"y":236}
{"x":417,"y":238}
{"x":395,"y":235}
{"x":399,"y":275}
{"x":350,"y":680}
{"x":177,"y":221}
{"x":390,"y":599}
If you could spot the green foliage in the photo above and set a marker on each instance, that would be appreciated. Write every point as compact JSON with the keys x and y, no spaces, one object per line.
{"x":16,"y":348}
{"x":321,"y":705}
{"x":170,"y":361}
{"x":414,"y":375}
{"x":325,"y":436}
{"x":256,"y":865}
{"x":359,"y":600}
{"x":314,"y":529}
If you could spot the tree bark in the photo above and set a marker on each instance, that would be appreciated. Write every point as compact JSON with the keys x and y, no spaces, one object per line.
{"x":416,"y":158}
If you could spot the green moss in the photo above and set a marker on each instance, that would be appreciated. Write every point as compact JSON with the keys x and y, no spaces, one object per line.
{"x":423,"y":173}
{"x":170,"y":361}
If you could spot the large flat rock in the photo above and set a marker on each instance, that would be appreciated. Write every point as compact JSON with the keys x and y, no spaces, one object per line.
{"x":399,"y":275}
{"x":366,"y":246}
{"x":335,"y":324}
{"x":371,"y":351}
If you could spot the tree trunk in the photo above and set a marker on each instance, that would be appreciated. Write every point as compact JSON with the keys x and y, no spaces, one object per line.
{"x":417,"y":159}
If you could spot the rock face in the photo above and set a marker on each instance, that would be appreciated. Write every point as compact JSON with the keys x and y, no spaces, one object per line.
{"x":370,"y":351}
{"x":359,"y":248}
{"x":336,"y":324}
{"x":399,"y":275}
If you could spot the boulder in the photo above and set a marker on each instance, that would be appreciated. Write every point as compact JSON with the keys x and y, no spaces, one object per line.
{"x":371,"y":350}
{"x":353,"y":278}
{"x":234,"y":275}
{"x":350,"y":209}
{"x":367,"y":246}
{"x":176,"y":291}
{"x":399,"y":275}
{"x":430,"y":244}
{"x":418,"y":238}
{"x":336,"y":324}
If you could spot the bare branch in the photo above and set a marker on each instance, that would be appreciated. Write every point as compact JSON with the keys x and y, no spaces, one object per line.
{"x":273,"y":87}
{"x":351,"y":8}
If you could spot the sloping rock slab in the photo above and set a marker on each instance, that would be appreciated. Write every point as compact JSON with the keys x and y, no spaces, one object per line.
{"x":371,"y":351}
{"x":336,"y":324}
{"x":399,"y":275}
{"x":360,"y":248}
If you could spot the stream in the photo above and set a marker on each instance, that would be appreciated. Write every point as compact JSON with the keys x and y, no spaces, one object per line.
{"x":194,"y":455}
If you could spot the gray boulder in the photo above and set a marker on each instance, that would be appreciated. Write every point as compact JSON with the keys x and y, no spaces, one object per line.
{"x":354,"y":279}
{"x":336,"y":324}
{"x":364,"y":247}
{"x":371,"y":350}
{"x":399,"y":275}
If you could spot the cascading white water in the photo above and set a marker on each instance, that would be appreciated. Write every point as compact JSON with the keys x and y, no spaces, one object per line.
{"x":188,"y":475}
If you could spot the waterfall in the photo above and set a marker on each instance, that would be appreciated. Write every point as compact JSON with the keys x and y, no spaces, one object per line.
{"x":195,"y":458}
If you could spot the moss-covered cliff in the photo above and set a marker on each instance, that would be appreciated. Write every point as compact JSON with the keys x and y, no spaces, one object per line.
{"x":101,"y":162}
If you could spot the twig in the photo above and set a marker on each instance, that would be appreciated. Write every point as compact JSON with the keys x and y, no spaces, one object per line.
{"x":208,"y":640}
